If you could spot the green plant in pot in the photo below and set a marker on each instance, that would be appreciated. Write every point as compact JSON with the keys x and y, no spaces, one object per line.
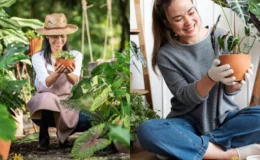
{"x":109,"y":90}
{"x":10,"y":93}
{"x":35,"y":40}
{"x":140,"y":112}
{"x":232,"y":42}
{"x":65,"y":58}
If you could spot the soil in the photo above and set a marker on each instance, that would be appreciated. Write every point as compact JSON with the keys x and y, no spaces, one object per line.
{"x":29,"y":152}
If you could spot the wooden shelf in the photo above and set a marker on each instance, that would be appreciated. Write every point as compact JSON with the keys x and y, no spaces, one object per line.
{"x":134,"y":31}
{"x":140,"y":91}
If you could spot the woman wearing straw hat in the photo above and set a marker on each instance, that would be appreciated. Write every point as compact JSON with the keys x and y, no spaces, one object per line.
{"x":54,"y":83}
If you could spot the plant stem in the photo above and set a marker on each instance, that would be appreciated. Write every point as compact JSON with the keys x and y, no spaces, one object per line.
{"x":251,"y":45}
{"x":226,"y":19}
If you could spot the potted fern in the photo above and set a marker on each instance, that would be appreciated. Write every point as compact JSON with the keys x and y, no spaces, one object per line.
{"x":232,"y":42}
{"x":65,"y":58}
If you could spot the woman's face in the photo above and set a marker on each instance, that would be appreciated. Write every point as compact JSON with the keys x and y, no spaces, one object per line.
{"x":183,"y":18}
{"x":57,"y":42}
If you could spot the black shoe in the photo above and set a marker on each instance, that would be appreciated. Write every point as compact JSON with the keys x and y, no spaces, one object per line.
{"x":66,"y":144}
{"x":43,"y":144}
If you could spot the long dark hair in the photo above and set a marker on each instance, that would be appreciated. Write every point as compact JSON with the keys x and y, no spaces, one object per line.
{"x":162,"y":33}
{"x":47,"y":49}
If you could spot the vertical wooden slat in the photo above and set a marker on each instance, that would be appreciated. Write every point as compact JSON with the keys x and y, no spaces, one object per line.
{"x":143,"y":50}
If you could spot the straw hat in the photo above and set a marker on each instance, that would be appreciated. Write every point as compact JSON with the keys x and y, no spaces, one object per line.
{"x":56,"y":24}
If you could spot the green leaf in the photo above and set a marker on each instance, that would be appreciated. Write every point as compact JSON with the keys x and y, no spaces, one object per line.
{"x":240,"y":7}
{"x":119,"y":134}
{"x":6,"y":3}
{"x":117,"y":84}
{"x":9,"y":24}
{"x":14,"y":36}
{"x":25,"y":22}
{"x":80,"y":89}
{"x":89,"y":142}
{"x":7,"y":124}
{"x":221,"y":42}
{"x":100,"y":99}
{"x":247,"y":31}
{"x":12,"y":56}
{"x":232,"y":42}
{"x":3,"y":14}
{"x":254,"y":7}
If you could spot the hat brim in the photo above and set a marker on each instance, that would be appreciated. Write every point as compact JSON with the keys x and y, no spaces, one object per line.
{"x":70,"y":29}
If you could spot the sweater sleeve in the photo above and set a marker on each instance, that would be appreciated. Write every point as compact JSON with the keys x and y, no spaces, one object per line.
{"x":183,"y":91}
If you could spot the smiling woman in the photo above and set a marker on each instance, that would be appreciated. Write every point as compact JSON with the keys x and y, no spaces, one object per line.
{"x":203,"y":121}
{"x":54,"y":82}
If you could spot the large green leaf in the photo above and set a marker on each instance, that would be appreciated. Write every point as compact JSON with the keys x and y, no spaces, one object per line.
{"x":89,"y":142}
{"x":25,"y":22}
{"x":240,"y":7}
{"x":7,"y":124}
{"x":3,"y":14}
{"x":13,"y":55}
{"x":254,"y":7}
{"x":101,"y":99}
{"x":119,"y":134}
{"x":8,"y":23}
{"x":11,"y":85}
{"x":14,"y":36}
{"x":6,"y":3}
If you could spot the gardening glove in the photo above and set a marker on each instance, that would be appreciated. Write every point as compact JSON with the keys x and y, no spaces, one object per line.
{"x":219,"y":73}
{"x":248,"y":74}
{"x":249,"y":150}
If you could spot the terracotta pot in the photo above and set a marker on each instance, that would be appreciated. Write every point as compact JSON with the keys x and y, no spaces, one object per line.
{"x":35,"y":45}
{"x":4,"y":149}
{"x":65,"y":62}
{"x":240,"y":63}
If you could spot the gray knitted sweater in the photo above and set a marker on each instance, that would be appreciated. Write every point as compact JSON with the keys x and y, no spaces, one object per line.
{"x":182,"y":66}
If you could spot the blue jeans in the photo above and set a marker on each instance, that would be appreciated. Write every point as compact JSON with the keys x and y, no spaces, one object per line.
{"x":179,"y":138}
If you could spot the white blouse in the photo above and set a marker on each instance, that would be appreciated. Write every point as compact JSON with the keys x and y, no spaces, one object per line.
{"x":41,"y":67}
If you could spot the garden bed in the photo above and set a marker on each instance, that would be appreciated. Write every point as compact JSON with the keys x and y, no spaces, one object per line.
{"x":29,"y":152}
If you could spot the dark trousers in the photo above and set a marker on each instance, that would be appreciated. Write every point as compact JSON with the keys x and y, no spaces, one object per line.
{"x":47,"y":121}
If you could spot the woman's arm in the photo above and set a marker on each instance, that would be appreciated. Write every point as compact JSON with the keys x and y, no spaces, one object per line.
{"x":51,"y":79}
{"x":71,"y":77}
{"x":204,"y":86}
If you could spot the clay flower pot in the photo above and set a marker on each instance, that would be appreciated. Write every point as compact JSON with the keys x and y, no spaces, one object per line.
{"x":65,"y":62}
{"x":35,"y":45}
{"x":240,"y":63}
{"x":4,"y":149}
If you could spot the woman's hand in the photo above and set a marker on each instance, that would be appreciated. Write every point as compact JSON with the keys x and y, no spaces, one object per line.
{"x":70,"y":69}
{"x":59,"y":68}
{"x":238,"y":85}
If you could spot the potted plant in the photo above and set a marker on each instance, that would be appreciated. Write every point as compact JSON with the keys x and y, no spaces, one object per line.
{"x":65,"y":58}
{"x":35,"y":40}
{"x":10,"y":94}
{"x":140,"y":112}
{"x":232,"y":42}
